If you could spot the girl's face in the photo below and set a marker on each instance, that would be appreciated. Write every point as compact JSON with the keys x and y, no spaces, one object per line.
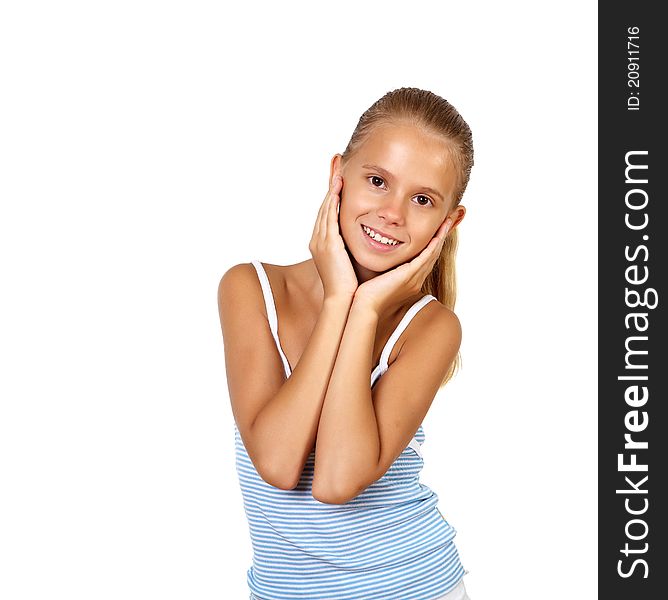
{"x":400,"y":184}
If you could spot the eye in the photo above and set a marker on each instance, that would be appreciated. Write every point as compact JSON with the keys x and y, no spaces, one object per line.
{"x":372,"y":177}
{"x":426,"y":198}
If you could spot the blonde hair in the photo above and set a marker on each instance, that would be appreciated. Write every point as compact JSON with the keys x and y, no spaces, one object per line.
{"x":428,"y":111}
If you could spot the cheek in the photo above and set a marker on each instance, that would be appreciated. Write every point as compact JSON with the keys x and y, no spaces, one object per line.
{"x":346,"y":219}
{"x":355,"y":203}
{"x":343,"y":213}
{"x":427,"y":234}
{"x":349,"y":211}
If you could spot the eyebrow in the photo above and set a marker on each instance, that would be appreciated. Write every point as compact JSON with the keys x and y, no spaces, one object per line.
{"x":389,"y":175}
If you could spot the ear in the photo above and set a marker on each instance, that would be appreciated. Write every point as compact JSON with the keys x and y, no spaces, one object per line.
{"x":335,"y":167}
{"x":456,"y":214}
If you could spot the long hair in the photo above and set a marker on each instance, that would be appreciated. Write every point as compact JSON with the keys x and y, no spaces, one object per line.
{"x":428,"y":111}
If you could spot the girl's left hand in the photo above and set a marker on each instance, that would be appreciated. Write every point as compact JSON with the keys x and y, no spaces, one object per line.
{"x":404,"y":281}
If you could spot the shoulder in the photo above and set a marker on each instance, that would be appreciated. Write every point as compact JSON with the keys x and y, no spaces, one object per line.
{"x":237,"y":280}
{"x":244,"y":278}
{"x":442,"y":317}
{"x":435,"y":326}
{"x":239,"y":286}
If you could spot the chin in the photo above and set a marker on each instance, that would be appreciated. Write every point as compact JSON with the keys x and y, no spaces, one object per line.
{"x":367,"y":257}
{"x":375,"y":263}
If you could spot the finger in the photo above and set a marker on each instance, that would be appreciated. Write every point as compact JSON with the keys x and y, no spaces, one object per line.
{"x":440,"y":236}
{"x":438,"y":240}
{"x":443,"y":230}
{"x":335,"y":202}
{"x":424,"y":262}
{"x":318,"y":218}
{"x":321,"y":219}
{"x":327,"y":207}
{"x":436,"y":243}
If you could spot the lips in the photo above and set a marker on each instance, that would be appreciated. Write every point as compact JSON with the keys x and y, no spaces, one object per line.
{"x":378,"y":247}
{"x":382,"y":233}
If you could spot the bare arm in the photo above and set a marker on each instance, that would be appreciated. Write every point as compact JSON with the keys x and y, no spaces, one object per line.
{"x":277,"y":418}
{"x":363,"y":431}
{"x":347,"y":435}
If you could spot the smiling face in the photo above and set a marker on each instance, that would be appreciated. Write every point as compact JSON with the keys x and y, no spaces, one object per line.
{"x":399,"y":183}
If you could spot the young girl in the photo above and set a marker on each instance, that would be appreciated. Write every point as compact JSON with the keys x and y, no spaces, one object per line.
{"x":329,"y":461}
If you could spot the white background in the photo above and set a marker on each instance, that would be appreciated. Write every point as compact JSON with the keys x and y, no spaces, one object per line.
{"x":146,"y":147}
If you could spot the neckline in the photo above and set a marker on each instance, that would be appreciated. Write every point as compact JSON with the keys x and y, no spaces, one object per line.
{"x":387,"y":347}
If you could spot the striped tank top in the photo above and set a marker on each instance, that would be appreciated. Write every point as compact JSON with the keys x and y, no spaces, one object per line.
{"x":388,"y":543}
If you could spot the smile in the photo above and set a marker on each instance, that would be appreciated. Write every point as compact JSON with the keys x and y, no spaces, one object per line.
{"x":377,"y":241}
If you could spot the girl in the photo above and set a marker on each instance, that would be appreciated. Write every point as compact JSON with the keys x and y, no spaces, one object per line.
{"x":329,"y":461}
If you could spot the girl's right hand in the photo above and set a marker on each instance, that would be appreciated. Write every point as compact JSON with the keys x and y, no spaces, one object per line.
{"x":328,"y":249}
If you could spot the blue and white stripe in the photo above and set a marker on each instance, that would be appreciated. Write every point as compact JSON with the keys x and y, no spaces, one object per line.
{"x":388,"y":543}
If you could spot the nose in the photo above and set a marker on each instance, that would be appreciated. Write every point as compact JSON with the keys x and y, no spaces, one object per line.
{"x":391,"y":209}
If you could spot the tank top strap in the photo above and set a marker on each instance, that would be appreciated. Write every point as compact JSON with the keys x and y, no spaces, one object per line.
{"x":272,"y":315}
{"x":410,"y":313}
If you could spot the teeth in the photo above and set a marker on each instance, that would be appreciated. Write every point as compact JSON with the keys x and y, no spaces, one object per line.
{"x":379,"y":238}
